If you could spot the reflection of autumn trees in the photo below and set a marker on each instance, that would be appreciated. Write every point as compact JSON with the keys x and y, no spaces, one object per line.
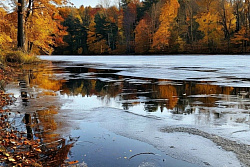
{"x":211,"y":89}
{"x":171,"y":96}
{"x":18,"y":148}
{"x":48,"y":123}
{"x":160,"y":94}
{"x":166,"y":92}
{"x":40,"y":145}
{"x":55,"y":147}
{"x":91,"y":87}
{"x":44,"y":78}
{"x":206,"y":89}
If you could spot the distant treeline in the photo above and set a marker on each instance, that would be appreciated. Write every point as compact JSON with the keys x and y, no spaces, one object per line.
{"x":132,"y":27}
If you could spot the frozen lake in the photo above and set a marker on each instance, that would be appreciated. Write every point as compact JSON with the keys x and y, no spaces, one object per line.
{"x":211,"y":92}
{"x":148,"y":110}
{"x":226,"y":70}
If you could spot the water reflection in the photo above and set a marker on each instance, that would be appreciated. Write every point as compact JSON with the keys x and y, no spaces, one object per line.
{"x":193,"y":102}
{"x":207,"y":103}
{"x":40,"y":143}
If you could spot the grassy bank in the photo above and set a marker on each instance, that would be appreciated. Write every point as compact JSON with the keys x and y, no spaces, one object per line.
{"x":18,"y":56}
{"x":10,"y":58}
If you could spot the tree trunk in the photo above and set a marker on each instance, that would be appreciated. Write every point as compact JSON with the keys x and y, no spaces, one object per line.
{"x":237,"y":18}
{"x":20,"y":34}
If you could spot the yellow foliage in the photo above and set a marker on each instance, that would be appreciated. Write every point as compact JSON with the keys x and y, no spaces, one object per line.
{"x":4,"y":39}
{"x":44,"y":79}
{"x":6,"y":29}
{"x":209,"y":25}
{"x":168,"y":13}
{"x":42,"y":26}
{"x":181,"y":43}
{"x":241,"y":36}
{"x":39,"y":30}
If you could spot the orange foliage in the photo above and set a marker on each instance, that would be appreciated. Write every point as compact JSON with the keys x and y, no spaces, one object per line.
{"x":241,"y":37}
{"x":168,"y":13}
{"x":7,"y":29}
{"x":212,"y":89}
{"x":142,"y":36}
{"x":167,"y":92}
{"x":44,"y":79}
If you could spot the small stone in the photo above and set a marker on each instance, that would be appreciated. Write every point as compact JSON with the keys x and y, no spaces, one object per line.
{"x":206,"y":163}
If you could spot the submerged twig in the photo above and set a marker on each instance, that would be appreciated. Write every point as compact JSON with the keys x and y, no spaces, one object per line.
{"x":140,"y":154}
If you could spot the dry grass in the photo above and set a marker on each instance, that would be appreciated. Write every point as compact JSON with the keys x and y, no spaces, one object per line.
{"x":17,"y":56}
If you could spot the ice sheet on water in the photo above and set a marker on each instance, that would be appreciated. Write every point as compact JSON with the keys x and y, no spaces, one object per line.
{"x":192,"y":148}
{"x":219,"y":70}
{"x":227,"y":70}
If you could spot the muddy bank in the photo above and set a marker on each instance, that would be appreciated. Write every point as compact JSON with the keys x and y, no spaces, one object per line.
{"x":241,"y":150}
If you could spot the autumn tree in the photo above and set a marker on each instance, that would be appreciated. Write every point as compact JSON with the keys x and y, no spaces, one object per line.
{"x":227,"y":19}
{"x":129,"y":21}
{"x":120,"y":38}
{"x":145,"y":8}
{"x":20,"y":34}
{"x":84,"y":13}
{"x":41,"y":27}
{"x":241,"y":40}
{"x":186,"y":25}
{"x":148,"y":22}
{"x":208,"y":24}
{"x":208,"y":19}
{"x":149,"y":26}
{"x":96,"y":42}
{"x":92,"y":38}
{"x":76,"y":38}
{"x":112,"y":19}
{"x":168,"y":14}
{"x":38,"y":27}
{"x":7,"y":29}
{"x":241,"y":37}
{"x":142,"y":36}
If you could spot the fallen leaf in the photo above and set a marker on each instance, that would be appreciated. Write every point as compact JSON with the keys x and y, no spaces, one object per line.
{"x":73,"y":162}
{"x":38,"y":149}
{"x":11,"y":159}
{"x":6,"y":154}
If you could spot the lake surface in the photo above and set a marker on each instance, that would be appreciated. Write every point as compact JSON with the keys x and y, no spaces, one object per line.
{"x":203,"y":90}
{"x":117,"y":107}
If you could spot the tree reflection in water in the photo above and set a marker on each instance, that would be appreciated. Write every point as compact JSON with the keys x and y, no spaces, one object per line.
{"x":155,"y":95}
{"x":40,"y":145}
{"x":49,"y":148}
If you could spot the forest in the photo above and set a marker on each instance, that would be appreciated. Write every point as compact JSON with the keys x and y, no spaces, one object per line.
{"x":130,"y":27}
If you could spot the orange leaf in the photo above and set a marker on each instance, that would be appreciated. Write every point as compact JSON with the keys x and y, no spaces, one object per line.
{"x":38,"y":149}
{"x":73,"y":162}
